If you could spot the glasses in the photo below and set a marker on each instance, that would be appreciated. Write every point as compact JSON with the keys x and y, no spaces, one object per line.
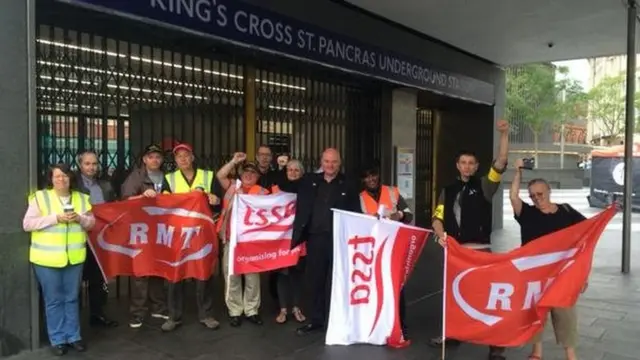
{"x":536,"y":195}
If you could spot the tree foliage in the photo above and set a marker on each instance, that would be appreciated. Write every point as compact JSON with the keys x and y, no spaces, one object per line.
{"x":607,"y":106}
{"x":539,"y":95}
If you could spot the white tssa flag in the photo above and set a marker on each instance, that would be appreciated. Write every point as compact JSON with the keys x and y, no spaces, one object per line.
{"x":261,"y":229}
{"x":371,"y":261}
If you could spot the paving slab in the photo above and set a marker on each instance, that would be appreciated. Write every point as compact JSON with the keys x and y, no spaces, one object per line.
{"x":609,"y":322}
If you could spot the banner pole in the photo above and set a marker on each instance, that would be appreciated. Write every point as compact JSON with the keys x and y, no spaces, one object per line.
{"x":444,"y":301}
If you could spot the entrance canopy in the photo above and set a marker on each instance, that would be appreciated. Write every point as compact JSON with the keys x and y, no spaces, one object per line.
{"x":510,"y":32}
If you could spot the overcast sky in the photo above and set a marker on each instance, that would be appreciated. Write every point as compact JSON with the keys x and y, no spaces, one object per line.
{"x":578,"y":69}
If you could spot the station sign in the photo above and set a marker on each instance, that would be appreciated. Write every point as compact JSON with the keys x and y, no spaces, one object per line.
{"x":251,"y":26}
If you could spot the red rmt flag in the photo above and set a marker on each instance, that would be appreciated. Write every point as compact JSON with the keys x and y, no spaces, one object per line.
{"x":170,"y":236}
{"x":504,"y":299}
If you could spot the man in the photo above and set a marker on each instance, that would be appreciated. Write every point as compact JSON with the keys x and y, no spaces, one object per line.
{"x":464,"y":209}
{"x":99,"y":191}
{"x":318,"y":193}
{"x":239,"y":299}
{"x":268,"y":175}
{"x":383,"y":200}
{"x":147,"y":181}
{"x":185,"y":179}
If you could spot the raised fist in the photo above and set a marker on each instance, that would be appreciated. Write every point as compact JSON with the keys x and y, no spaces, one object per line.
{"x":503,"y":126}
{"x":239,"y":157}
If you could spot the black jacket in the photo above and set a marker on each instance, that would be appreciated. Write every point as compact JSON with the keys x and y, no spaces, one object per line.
{"x":475,"y":212}
{"x":307,"y":190}
{"x":138,"y":182}
{"x":108,"y":193}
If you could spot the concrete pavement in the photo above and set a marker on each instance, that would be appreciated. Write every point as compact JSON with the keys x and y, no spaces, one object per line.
{"x":609,"y":319}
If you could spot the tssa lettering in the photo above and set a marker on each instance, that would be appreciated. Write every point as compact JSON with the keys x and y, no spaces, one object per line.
{"x":139,"y":234}
{"x":275,"y":215}
{"x":500,"y":295}
{"x":360,"y":280}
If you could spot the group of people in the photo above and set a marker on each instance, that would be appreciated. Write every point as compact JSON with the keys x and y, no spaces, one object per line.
{"x":59,"y":217}
{"x":464,"y":211}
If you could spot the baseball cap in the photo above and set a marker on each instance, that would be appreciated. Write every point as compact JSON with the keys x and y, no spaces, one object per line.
{"x":153,"y":148}
{"x":183,"y":146}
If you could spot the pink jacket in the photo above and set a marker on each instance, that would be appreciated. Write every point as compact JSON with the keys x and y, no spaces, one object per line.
{"x":34,"y":221}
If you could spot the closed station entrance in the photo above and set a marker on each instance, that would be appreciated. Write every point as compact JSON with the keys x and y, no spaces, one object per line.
{"x":114,"y":86}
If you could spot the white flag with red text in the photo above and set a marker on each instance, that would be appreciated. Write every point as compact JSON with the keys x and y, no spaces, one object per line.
{"x":260,"y":236}
{"x":372,"y":260}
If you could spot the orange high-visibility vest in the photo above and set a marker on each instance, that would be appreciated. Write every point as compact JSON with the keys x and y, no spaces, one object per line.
{"x":222,"y":226}
{"x":389,"y":196}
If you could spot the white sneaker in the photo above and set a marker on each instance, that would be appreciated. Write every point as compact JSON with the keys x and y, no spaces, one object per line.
{"x":160,"y":316}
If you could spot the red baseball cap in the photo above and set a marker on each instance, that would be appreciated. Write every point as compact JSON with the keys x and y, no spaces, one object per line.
{"x":183,"y":146}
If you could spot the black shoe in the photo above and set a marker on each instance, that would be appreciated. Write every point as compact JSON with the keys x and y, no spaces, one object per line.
{"x":449,"y":343}
{"x":308,"y":329}
{"x":102,"y":321}
{"x":135,"y":322}
{"x":59,"y":350}
{"x":236,"y":321}
{"x":78,"y":346}
{"x":496,"y":353}
{"x":405,"y":334}
{"x":255,"y":319}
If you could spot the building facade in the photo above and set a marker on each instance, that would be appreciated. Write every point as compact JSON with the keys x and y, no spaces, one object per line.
{"x":226,"y":76}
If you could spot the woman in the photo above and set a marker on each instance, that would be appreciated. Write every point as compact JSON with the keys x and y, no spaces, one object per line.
{"x":58,"y":219}
{"x":241,"y":298}
{"x":539,"y":219}
{"x":289,"y":279}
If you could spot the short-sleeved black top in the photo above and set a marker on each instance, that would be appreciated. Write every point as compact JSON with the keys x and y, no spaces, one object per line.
{"x":534,"y":223}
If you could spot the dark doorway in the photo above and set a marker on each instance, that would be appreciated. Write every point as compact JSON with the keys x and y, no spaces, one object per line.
{"x":424,"y":166}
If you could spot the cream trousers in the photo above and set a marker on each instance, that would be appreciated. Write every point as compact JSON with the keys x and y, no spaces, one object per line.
{"x":240,"y":300}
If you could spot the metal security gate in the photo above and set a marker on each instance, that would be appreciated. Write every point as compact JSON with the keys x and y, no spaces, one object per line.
{"x":117,"y":95}
{"x":424,"y":166}
{"x":303,"y":116}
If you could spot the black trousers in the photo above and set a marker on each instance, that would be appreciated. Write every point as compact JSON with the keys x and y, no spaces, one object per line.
{"x":319,"y":266}
{"x":97,"y":288}
{"x":403,"y":310}
{"x":204,"y":299}
{"x":274,"y":279}
{"x":290,"y":287}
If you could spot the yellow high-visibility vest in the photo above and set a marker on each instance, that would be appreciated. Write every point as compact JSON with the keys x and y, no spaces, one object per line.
{"x":62,"y":244}
{"x":178,"y":184}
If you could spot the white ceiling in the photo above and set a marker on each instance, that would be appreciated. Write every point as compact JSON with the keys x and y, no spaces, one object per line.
{"x":510,"y":32}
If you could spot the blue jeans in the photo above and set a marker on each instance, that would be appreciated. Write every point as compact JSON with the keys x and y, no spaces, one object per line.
{"x":60,"y":290}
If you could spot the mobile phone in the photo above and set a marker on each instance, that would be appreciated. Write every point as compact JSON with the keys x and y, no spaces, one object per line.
{"x":67,"y":208}
{"x":529,"y":164}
